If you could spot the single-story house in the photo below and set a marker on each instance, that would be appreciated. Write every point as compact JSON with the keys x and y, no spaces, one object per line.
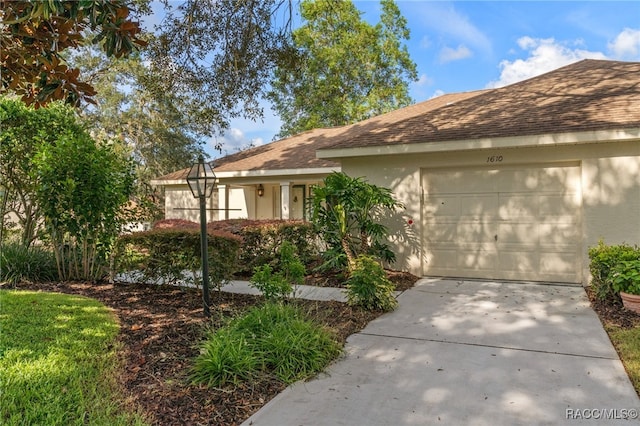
{"x":508,"y":183}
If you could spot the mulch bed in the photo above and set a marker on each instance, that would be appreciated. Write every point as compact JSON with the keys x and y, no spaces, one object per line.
{"x":160,"y":327}
{"x":612,"y":312}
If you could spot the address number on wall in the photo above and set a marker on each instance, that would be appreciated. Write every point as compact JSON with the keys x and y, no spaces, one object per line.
{"x":495,"y":159}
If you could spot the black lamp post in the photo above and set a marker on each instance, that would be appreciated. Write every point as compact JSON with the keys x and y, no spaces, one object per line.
{"x":202,"y":180}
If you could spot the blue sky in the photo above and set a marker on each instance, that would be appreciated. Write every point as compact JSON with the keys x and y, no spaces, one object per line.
{"x":470,"y":45}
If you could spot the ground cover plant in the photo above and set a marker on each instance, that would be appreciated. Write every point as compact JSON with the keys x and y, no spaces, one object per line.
{"x":58,"y":357}
{"x":272,"y":339}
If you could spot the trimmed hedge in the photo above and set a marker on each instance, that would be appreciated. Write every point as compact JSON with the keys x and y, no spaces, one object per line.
{"x":261,"y":239}
{"x":163,"y":254}
{"x":603,"y":261}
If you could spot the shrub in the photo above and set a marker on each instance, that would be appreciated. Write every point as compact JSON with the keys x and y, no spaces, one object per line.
{"x":19,"y":263}
{"x":263,"y":239}
{"x":368,"y":286}
{"x":603,"y":258}
{"x":271,"y":339}
{"x":625,"y":276}
{"x":165,"y":254}
{"x":276,"y":286}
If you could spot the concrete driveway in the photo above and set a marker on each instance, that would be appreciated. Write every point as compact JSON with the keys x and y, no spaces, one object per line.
{"x":470,"y":353}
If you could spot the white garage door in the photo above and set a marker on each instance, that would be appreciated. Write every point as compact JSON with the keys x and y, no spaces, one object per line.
{"x":507,"y":223}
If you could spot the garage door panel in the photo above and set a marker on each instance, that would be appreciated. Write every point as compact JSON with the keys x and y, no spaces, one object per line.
{"x":478,"y":259}
{"x":480,"y":207}
{"x":558,"y":234}
{"x":560,"y":179}
{"x":504,"y":223}
{"x":518,"y":181}
{"x":456,"y":182}
{"x":441,"y":232}
{"x":519,"y":260}
{"x":517,"y":233}
{"x":517,"y":206}
{"x":558,"y":205}
{"x":442,"y":206}
{"x":558,"y":263}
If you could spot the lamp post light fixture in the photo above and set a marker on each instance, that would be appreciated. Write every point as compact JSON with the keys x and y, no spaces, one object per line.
{"x":202,"y":180}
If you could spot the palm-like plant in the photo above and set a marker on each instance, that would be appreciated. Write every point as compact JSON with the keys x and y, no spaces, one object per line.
{"x":345,"y":212}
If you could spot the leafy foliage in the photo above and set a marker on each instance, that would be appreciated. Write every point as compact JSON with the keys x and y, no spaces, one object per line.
{"x":159,"y":137}
{"x":603,"y":261}
{"x":349,"y":69}
{"x":625,"y":276}
{"x":19,"y":263}
{"x":262,"y":240}
{"x":24,"y":132}
{"x":276,"y":286}
{"x":272,"y":339}
{"x":219,"y":55}
{"x":82,"y":187}
{"x":165,"y":254}
{"x":35,"y":34}
{"x":369,"y":287}
{"x":346,"y":213}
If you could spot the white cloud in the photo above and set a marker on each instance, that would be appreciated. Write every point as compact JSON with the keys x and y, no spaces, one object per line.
{"x":544,"y":55}
{"x":437,"y":93}
{"x":234,"y":140}
{"x":626,"y":45}
{"x":425,"y":43}
{"x":444,"y":19}
{"x":448,"y":54}
{"x":424,"y":80}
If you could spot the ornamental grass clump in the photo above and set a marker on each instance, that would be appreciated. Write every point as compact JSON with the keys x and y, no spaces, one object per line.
{"x":33,"y":264}
{"x":274,"y":339}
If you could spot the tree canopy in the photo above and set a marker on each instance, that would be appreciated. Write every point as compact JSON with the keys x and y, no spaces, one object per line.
{"x":35,"y":34}
{"x":349,"y":70}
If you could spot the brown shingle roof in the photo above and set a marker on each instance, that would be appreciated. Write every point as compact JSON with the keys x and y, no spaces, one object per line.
{"x":587,"y":95}
{"x":299,"y":152}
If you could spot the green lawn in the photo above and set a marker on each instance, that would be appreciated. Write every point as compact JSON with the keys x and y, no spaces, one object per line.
{"x":58,"y":361}
{"x":627,"y":343}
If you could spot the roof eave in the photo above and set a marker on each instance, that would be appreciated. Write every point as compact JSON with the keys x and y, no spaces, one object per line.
{"x":298,"y":173}
{"x":550,"y":139}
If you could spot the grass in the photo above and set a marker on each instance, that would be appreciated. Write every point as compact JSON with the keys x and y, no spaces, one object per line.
{"x":271,"y":339}
{"x":627,"y":343}
{"x":58,"y":361}
{"x":19,"y":263}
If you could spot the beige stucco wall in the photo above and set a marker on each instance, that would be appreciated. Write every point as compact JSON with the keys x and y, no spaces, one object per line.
{"x":610,"y":188}
{"x":241,"y":200}
{"x":180,"y":204}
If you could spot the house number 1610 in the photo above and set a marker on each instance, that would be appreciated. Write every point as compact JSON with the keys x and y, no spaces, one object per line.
{"x":494,"y":159}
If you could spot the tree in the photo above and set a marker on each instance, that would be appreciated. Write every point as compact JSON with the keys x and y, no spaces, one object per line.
{"x":82,"y":188}
{"x":349,"y":70}
{"x":158,"y":137}
{"x":34,"y":34}
{"x":345,"y":213}
{"x":219,"y":55}
{"x":24,"y":131}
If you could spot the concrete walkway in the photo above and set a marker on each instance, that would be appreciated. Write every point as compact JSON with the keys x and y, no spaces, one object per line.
{"x":470,"y":353}
{"x":301,"y":291}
